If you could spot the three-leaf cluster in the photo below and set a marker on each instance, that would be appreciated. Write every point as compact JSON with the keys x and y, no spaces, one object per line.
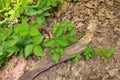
{"x":63,"y":37}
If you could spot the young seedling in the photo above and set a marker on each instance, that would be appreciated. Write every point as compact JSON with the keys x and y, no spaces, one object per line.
{"x":76,"y":57}
{"x":89,"y":52}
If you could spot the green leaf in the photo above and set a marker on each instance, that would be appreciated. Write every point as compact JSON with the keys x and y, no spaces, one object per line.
{"x":38,"y":39}
{"x":22,"y":40}
{"x":60,"y":1}
{"x":89,"y":52}
{"x":4,"y":34}
{"x":21,"y":55}
{"x":110,"y":52}
{"x":63,"y":37}
{"x":26,"y":41}
{"x":10,"y":30}
{"x":42,"y":10}
{"x":52,"y":51}
{"x":73,"y":39}
{"x":34,"y":31}
{"x":100,"y":51}
{"x":48,"y":43}
{"x":24,"y":21}
{"x":61,"y":50}
{"x":41,"y":19}
{"x":59,"y":32}
{"x":38,"y":51}
{"x":54,"y":3}
{"x":3,"y":58}
{"x":56,"y":57}
{"x":69,"y":25}
{"x":63,"y":25}
{"x":71,"y":32}
{"x":76,"y":57}
{"x":55,"y":25}
{"x":31,"y":12}
{"x":62,"y":43}
{"x":56,"y":51}
{"x":28,"y":50}
{"x":23,"y":33}
{"x":46,"y":14}
{"x":12,"y":49}
{"x":10,"y":43}
{"x":35,"y":24}
{"x":1,"y":53}
{"x":23,"y":28}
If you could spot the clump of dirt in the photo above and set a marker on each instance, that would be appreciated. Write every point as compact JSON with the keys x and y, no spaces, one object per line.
{"x":13,"y":69}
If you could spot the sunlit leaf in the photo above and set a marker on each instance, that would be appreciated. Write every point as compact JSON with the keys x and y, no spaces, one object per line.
{"x":59,"y":32}
{"x":48,"y":43}
{"x":34,"y":31}
{"x":28,"y":50}
{"x":38,"y":51}
{"x":62,"y":43}
{"x":37,"y":39}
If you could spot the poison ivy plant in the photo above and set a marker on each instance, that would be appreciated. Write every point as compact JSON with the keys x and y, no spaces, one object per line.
{"x":63,"y":37}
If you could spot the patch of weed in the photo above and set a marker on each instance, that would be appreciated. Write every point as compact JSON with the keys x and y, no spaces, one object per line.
{"x":89,"y":52}
{"x":63,"y":37}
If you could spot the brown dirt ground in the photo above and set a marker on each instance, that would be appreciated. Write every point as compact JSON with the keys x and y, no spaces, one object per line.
{"x":106,"y":15}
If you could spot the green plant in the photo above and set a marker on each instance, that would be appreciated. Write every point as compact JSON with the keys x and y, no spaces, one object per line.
{"x":76,"y":57}
{"x":105,"y":54}
{"x":89,"y":52}
{"x":40,"y":10}
{"x":63,"y":36}
{"x":7,"y":47}
{"x":12,"y":9}
{"x":22,"y":38}
{"x":31,"y":37}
